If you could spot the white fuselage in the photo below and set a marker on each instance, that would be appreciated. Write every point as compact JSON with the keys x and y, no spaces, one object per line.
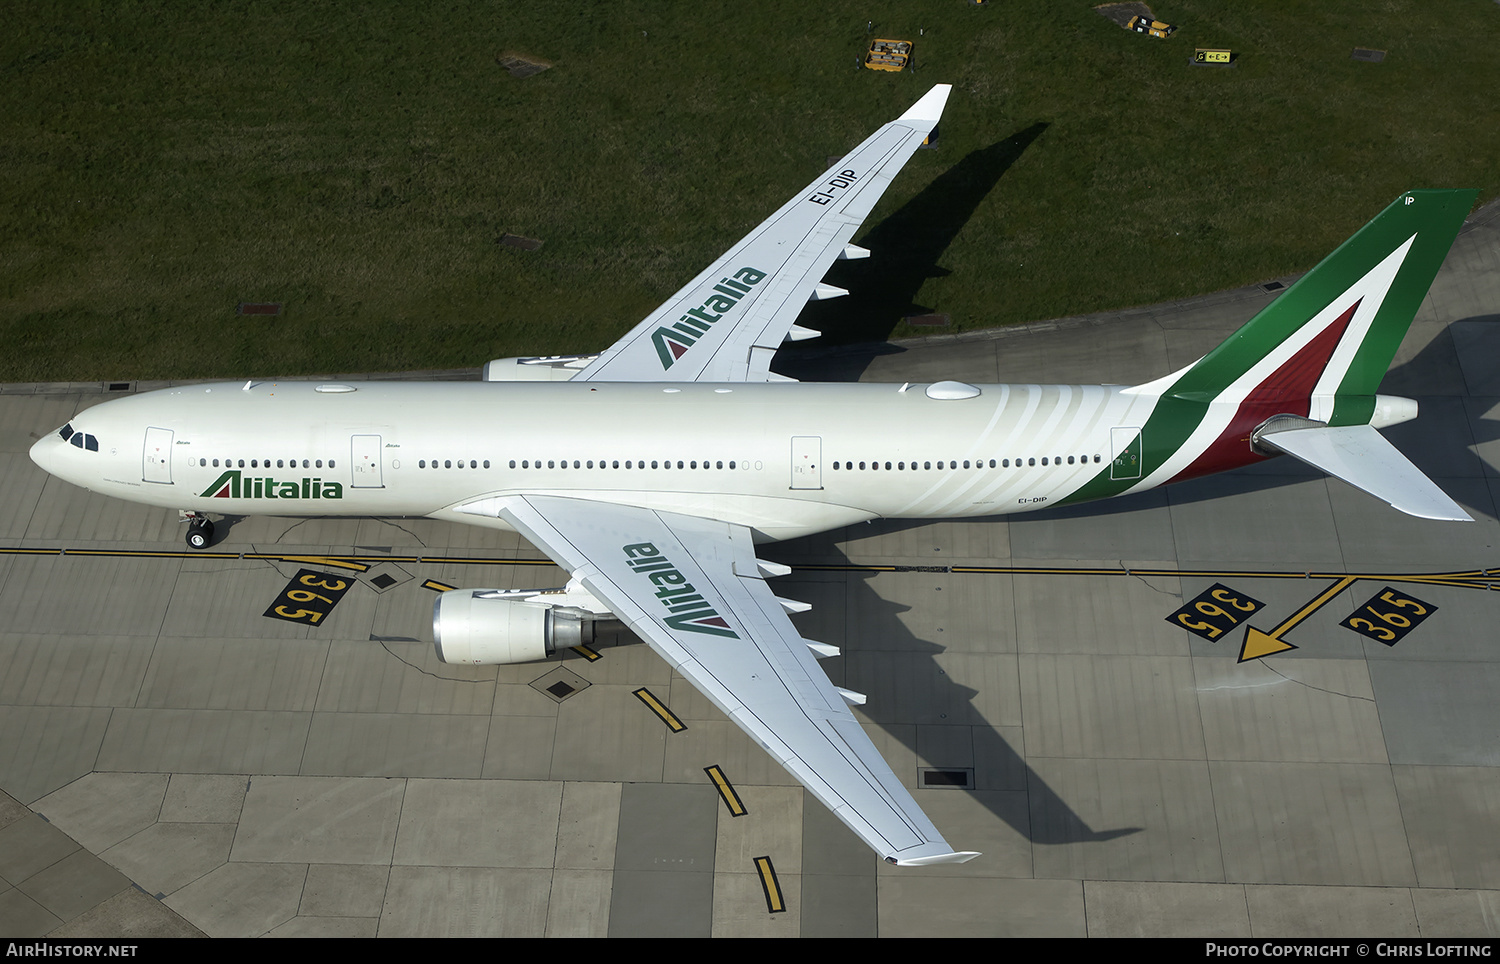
{"x":785,"y":459}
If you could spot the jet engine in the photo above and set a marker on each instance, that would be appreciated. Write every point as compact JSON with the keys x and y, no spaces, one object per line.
{"x":486,"y":626}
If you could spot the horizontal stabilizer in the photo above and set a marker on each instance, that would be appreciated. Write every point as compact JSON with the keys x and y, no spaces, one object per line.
{"x":1362,"y":457}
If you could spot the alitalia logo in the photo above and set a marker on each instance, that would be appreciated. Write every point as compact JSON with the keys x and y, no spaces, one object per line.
{"x":234,"y":485}
{"x":672,"y":342}
{"x":687,"y":609}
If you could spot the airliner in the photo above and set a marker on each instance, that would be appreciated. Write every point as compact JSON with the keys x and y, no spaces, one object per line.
{"x":651,"y":471}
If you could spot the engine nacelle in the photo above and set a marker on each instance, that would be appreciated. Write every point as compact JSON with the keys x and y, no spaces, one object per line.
{"x":479,"y":627}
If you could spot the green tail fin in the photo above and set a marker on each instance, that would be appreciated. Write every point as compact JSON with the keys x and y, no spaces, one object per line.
{"x":1355,"y":307}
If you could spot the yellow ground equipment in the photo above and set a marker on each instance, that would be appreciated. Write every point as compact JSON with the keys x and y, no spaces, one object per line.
{"x":888,"y":55}
{"x":1155,"y":28}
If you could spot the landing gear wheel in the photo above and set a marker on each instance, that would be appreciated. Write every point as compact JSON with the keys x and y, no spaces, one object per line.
{"x":200,"y":533}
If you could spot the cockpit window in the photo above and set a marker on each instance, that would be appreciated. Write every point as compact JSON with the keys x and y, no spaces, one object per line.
{"x":82,"y":441}
{"x":66,"y":431}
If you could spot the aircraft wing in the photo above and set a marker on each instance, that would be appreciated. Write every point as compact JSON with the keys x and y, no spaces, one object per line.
{"x":693,"y":589}
{"x":725,"y":324}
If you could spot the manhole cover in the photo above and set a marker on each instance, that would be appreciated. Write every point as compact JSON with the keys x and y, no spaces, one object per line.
{"x":560,"y":684}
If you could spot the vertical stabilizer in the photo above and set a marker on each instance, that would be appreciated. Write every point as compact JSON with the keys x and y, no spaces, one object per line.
{"x":1318,"y":352}
{"x":1344,"y":319}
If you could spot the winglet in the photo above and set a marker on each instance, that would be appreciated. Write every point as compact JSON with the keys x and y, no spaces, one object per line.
{"x":930,"y":107}
{"x":958,"y":857}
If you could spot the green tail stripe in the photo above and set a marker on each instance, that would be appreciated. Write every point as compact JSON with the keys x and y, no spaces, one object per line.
{"x":1433,"y":216}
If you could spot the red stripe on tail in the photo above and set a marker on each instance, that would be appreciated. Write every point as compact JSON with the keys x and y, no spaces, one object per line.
{"x":1287,"y":391}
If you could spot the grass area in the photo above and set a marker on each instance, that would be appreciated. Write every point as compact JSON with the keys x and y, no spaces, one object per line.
{"x":164,"y":161}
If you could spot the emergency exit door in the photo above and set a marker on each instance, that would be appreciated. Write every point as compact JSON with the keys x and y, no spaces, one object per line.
{"x":157,"y":459}
{"x":366,"y":462}
{"x":807,"y":462}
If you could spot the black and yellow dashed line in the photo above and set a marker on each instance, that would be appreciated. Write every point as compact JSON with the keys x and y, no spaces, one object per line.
{"x":660,"y":709}
{"x":726,"y":791}
{"x":775,"y":903}
{"x":1257,"y":643}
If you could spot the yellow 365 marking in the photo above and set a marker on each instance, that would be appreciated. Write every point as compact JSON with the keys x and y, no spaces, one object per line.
{"x":1389,"y":616}
{"x":301,"y":605}
{"x":1214,"y":612}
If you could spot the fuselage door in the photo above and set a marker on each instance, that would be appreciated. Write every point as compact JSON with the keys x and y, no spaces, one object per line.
{"x":157,"y":459}
{"x":366,"y":462}
{"x":1126,"y":443}
{"x":807,"y":462}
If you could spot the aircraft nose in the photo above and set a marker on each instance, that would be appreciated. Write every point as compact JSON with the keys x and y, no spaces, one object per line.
{"x":44,"y":452}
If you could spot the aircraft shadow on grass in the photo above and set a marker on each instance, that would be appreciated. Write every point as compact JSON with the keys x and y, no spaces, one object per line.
{"x":905,"y":248}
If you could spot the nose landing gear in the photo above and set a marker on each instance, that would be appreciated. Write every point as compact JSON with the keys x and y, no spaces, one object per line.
{"x":200,"y":533}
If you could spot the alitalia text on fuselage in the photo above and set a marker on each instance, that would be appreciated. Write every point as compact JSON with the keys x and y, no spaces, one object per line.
{"x":735,"y":452}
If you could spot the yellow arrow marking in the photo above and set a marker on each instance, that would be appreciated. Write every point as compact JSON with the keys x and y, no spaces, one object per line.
{"x":1259,"y":644}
